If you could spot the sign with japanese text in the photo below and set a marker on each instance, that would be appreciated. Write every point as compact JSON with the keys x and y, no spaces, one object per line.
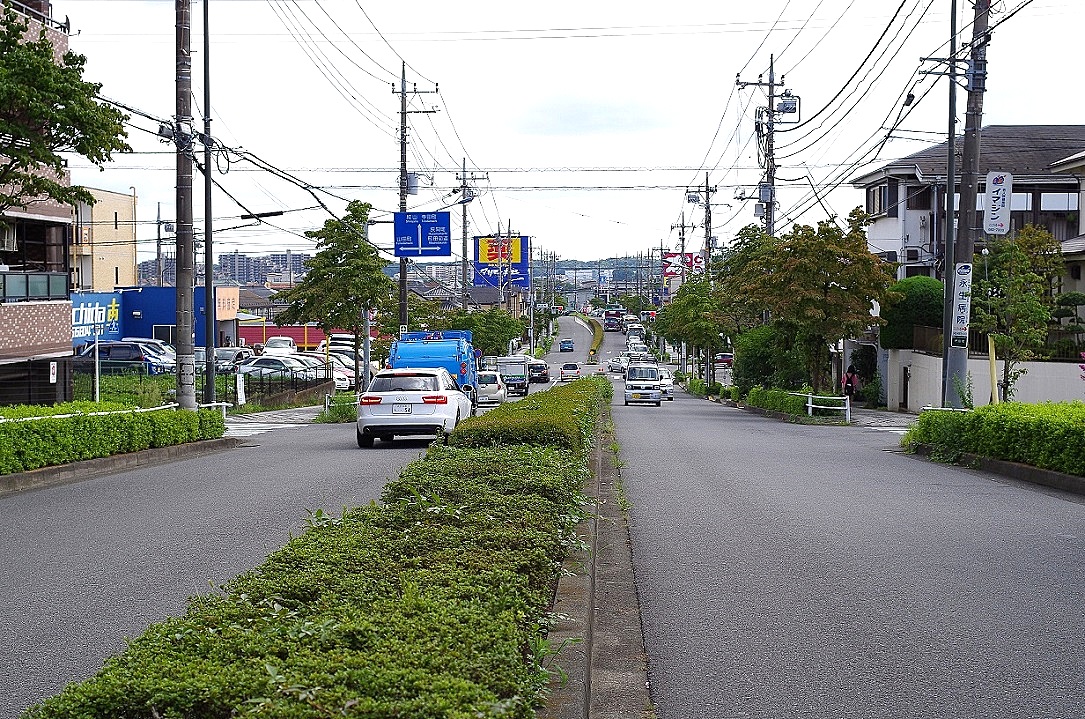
{"x":996,"y":205}
{"x":502,"y":262}
{"x":962,"y":304}
{"x":423,"y":234}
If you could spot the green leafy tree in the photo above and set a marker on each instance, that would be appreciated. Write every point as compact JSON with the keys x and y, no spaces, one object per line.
{"x":47,"y":109}
{"x":344,"y":278}
{"x":921,"y":302}
{"x":820,"y":285}
{"x":1013,"y":297}
{"x":491,"y":331}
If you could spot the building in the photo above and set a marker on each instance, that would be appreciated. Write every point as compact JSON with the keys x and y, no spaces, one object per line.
{"x":35,"y":306}
{"x":103,"y":251}
{"x":907,"y":198}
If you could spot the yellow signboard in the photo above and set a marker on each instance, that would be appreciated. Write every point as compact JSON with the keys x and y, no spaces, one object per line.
{"x":507,"y":250}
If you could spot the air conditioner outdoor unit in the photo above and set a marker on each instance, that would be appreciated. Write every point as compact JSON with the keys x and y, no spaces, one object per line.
{"x":911,"y":254}
{"x":7,"y":239}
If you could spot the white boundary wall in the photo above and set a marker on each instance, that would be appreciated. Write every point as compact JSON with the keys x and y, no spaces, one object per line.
{"x":1044,"y":382}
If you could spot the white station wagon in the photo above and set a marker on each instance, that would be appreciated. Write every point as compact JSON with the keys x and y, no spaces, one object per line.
{"x":414,"y":402}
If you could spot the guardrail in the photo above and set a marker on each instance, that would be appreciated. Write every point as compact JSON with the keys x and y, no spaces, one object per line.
{"x":811,"y":405}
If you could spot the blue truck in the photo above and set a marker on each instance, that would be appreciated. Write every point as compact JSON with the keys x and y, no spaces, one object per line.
{"x":451,"y":349}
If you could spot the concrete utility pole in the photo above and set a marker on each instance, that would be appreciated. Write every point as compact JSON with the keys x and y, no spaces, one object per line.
{"x":681,"y":227}
{"x":958,"y":274}
{"x":465,"y":263}
{"x":403,"y":187}
{"x":766,"y":128}
{"x":184,"y":337}
{"x":708,"y":243}
{"x":208,"y":259}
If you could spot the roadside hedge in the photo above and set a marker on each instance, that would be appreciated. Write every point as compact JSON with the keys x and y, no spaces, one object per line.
{"x":776,"y":400}
{"x":27,"y":444}
{"x":433,"y":603}
{"x":1048,"y":435}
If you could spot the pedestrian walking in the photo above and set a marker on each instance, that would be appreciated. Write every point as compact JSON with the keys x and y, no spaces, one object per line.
{"x":850,"y":381}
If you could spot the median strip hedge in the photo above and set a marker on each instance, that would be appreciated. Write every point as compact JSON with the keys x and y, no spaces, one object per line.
{"x":28,"y":444}
{"x":1048,"y":435}
{"x":433,"y":603}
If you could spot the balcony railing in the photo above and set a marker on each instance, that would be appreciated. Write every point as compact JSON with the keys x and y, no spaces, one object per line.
{"x":33,"y":286}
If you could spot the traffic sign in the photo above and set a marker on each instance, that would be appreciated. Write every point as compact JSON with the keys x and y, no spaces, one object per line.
{"x":423,"y":234}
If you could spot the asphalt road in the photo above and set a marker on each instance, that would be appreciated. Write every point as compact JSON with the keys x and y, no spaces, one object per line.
{"x":88,"y":564}
{"x":799,"y":571}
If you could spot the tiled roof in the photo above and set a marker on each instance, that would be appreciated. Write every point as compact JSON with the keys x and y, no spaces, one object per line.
{"x":1024,"y":150}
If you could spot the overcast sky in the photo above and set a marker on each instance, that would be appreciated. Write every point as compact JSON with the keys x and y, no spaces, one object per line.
{"x":583,"y":122}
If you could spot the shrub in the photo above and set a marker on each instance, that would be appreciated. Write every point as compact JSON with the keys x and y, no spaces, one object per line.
{"x":776,"y":400}
{"x":34,"y":443}
{"x":697,"y":387}
{"x":763,"y":356}
{"x":431,"y":604}
{"x":1046,"y":435}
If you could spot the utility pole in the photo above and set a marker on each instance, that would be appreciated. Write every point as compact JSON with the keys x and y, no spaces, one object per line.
{"x":959,"y":274}
{"x":403,"y":187}
{"x":158,"y":250}
{"x":681,"y":227}
{"x":184,"y":337}
{"x":708,"y":190}
{"x":464,"y":264}
{"x":766,"y":131}
{"x":208,"y":258}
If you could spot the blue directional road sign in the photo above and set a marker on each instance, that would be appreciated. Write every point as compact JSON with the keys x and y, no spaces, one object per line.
{"x":423,"y":234}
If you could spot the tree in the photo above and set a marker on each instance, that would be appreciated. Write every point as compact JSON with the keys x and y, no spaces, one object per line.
{"x":820,"y":285}
{"x":46,"y":109}
{"x":921,"y":302}
{"x":344,"y":278}
{"x":491,"y":331}
{"x":1014,"y":299}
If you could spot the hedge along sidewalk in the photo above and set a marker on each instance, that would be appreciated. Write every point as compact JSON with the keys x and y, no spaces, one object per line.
{"x":85,"y":431}
{"x":1011,"y":439}
{"x":433,"y":603}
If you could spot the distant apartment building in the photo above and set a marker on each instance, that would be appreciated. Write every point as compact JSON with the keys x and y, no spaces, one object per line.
{"x":289,"y":266}
{"x":449,"y":274}
{"x":243,"y":269}
{"x":35,"y":305}
{"x":104,"y":242}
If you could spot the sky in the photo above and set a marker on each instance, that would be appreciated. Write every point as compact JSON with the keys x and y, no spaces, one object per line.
{"x":583,"y":124}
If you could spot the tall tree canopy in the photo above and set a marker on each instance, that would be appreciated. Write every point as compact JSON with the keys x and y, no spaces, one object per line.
{"x":821,"y":283}
{"x":46,"y":108}
{"x":344,"y":277}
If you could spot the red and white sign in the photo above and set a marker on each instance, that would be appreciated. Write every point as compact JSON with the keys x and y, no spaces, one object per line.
{"x":676,"y":264}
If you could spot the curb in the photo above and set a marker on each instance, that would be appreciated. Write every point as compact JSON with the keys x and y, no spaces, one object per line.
{"x":597,"y":636}
{"x":1014,"y":470}
{"x":78,"y":471}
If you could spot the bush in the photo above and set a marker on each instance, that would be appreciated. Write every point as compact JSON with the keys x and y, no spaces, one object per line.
{"x":763,"y":356}
{"x":1046,"y":435}
{"x":34,"y":443}
{"x":776,"y":400}
{"x":922,"y":301}
{"x":697,"y":387}
{"x":431,"y":604}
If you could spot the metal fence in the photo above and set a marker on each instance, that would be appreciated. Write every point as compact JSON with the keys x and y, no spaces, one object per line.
{"x":1059,"y":347}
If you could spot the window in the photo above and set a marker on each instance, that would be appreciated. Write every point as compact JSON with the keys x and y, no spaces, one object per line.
{"x":919,"y":198}
{"x":877,"y":198}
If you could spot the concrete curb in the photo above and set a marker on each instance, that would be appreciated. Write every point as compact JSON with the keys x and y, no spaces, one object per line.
{"x":1014,"y":470}
{"x":598,"y":625}
{"x":79,"y":471}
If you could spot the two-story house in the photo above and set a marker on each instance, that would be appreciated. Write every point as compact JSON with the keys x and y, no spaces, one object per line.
{"x":907,"y":197}
{"x":35,"y":305}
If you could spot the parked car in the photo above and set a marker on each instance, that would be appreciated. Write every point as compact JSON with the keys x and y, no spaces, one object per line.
{"x":324,"y":370}
{"x":277,"y":367}
{"x":159,"y":346}
{"x":342,"y":367}
{"x":279,"y":346}
{"x":642,"y":384}
{"x":119,"y":356}
{"x":411,"y":401}
{"x":570,"y":371}
{"x":538,"y":372}
{"x":491,"y":388}
{"x":226,"y":358}
{"x":724,"y":359}
{"x":666,"y":384}
{"x":566,"y":345}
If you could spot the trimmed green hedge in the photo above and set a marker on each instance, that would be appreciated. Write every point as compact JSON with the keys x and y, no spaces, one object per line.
{"x":776,"y":400}
{"x":562,"y":416}
{"x":1047,"y":435}
{"x":432,"y":604}
{"x":34,"y":443}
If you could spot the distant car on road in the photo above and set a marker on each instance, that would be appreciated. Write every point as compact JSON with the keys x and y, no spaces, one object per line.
{"x":566,"y":345}
{"x":411,"y":401}
{"x":570,"y":371}
{"x":724,"y":359}
{"x":491,"y":388}
{"x":642,"y":384}
{"x":538,"y":372}
{"x":666,"y":384}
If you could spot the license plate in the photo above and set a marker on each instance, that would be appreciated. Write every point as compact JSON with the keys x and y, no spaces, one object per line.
{"x":636,"y":396}
{"x":401,"y":409}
